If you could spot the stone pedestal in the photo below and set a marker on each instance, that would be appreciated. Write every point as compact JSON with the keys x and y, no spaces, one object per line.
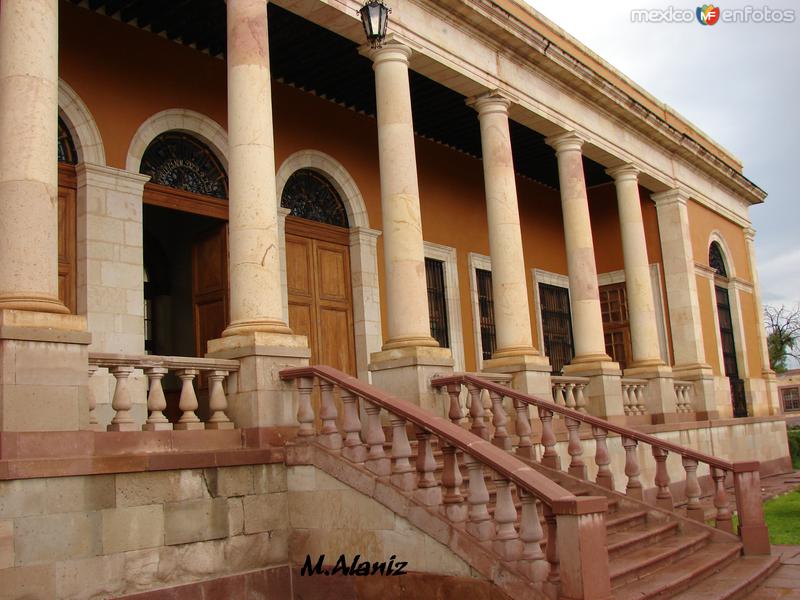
{"x":407,"y":373}
{"x":531,"y":373}
{"x":256,"y":395}
{"x":604,"y":393}
{"x":44,"y":360}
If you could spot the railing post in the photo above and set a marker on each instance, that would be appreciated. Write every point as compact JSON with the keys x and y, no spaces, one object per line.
{"x":329,"y":435}
{"x":92,"y":400}
{"x":506,"y":540}
{"x":479,"y":523}
{"x":693,"y":508}
{"x":353,"y":450}
{"x":121,"y":402}
{"x":634,"y":487}
{"x":580,"y":400}
{"x":455,"y":413}
{"x":723,"y":519}
{"x":188,"y":401}
{"x":501,"y":439}
{"x":156,"y":402}
{"x":602,"y":459}
{"x":377,"y":462}
{"x":217,"y":402}
{"x":454,"y":507}
{"x":577,"y":468}
{"x":523,"y":428}
{"x":403,"y":475}
{"x":428,"y":491}
{"x":305,"y":411}
{"x":664,"y":497}
{"x":532,"y":560}
{"x":752,"y":528}
{"x":581,"y":539}
{"x":626,"y":399}
{"x":550,"y":457}
{"x":641,"y":405}
{"x":476,"y":412}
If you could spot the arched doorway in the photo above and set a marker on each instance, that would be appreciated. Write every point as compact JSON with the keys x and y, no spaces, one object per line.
{"x":185,"y":245}
{"x":716,"y":261}
{"x":318,"y":269}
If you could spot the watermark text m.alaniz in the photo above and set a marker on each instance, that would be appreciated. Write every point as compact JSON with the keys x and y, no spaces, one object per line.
{"x":354,"y":568}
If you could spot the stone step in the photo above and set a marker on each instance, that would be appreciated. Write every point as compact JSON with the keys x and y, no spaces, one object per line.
{"x":736,"y":580}
{"x":640,"y":562}
{"x":640,"y":535}
{"x":625,"y":519}
{"x":688,"y":571}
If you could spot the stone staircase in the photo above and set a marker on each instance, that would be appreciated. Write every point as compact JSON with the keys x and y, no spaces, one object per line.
{"x":533,"y":530}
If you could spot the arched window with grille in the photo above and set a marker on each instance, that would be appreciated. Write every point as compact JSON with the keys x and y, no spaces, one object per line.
{"x":180,"y":161}
{"x":310,"y":195}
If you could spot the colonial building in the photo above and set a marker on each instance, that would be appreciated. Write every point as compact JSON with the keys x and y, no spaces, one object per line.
{"x":243,"y":188}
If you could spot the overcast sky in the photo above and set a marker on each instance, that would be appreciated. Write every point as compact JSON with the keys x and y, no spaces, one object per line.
{"x":739,"y":83}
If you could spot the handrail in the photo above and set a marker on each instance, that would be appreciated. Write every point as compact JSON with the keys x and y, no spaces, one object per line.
{"x":460,"y":378}
{"x":531,"y":480}
{"x":105,"y":359}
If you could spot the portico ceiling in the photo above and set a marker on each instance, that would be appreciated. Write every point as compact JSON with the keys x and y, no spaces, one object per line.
{"x":317,"y":60}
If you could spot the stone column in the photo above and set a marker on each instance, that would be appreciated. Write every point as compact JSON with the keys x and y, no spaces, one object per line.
{"x":410,"y":355}
{"x":770,"y":381}
{"x":28,"y":168}
{"x":647,"y":363}
{"x":257,"y":335}
{"x":684,"y":309}
{"x":43,"y":350}
{"x":591,"y":360}
{"x":515,"y":351}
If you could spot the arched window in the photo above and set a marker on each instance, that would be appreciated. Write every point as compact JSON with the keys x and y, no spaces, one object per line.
{"x":311,"y":196}
{"x":66,"y":147}
{"x":180,"y":161}
{"x":716,"y":261}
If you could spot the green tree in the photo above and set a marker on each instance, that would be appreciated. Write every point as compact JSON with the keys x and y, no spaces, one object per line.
{"x":783,"y":336}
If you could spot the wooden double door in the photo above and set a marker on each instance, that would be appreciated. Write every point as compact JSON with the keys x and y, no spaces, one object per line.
{"x":320,"y":292}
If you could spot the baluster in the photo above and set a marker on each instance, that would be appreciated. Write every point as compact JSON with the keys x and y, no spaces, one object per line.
{"x":454,"y":506}
{"x":92,"y":400}
{"x":121,"y":402}
{"x":532,"y":536}
{"x":353,"y":449}
{"x":188,"y":401}
{"x":305,"y":411}
{"x":455,"y":414}
{"x":550,"y":457}
{"x":501,"y":438}
{"x":569,"y":396}
{"x":506,"y":541}
{"x":217,"y":402}
{"x":558,"y":394}
{"x":723,"y":517}
{"x":479,"y":522}
{"x":580,"y":400}
{"x":687,"y":401}
{"x":377,"y":461}
{"x":156,"y":402}
{"x":403,"y":475}
{"x":428,"y":491}
{"x":523,"y":428}
{"x":476,"y":412}
{"x":693,"y":508}
{"x":626,"y":399}
{"x":329,"y":435}
{"x":634,"y":487}
{"x":577,"y":468}
{"x":602,"y":459}
{"x":664,"y":497}
{"x":641,"y":406}
{"x":554,"y":576}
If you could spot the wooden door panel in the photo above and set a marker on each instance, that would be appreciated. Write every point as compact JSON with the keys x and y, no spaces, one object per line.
{"x":210,"y":320}
{"x":67,"y":248}
{"x":299,"y":271}
{"x":336,"y":332}
{"x":210,"y":286}
{"x":211,"y":256}
{"x":301,"y":321}
{"x":333,"y":274}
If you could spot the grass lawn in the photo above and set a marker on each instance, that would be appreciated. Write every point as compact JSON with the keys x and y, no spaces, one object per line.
{"x":783,"y":518}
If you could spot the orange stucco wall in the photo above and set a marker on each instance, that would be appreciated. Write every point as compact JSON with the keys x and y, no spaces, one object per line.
{"x":706,"y":302}
{"x":702,"y":223}
{"x":125,"y":75}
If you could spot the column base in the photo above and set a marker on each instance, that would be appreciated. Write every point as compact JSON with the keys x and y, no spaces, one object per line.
{"x":407,"y":372}
{"x":256,"y":395}
{"x":269,"y":326}
{"x":703,"y":394}
{"x":32,"y":303}
{"x":604,"y":393}
{"x":530,"y":372}
{"x":660,"y":397}
{"x":44,"y":361}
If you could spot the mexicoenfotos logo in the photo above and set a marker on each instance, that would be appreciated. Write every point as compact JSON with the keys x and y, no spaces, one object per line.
{"x":708,"y":14}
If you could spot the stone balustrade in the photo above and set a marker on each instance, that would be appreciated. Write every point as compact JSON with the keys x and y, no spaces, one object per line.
{"x":568,"y":391}
{"x":745,"y":475}
{"x":683,"y":398}
{"x":549,"y":515}
{"x":155,"y":368}
{"x":633,"y":402}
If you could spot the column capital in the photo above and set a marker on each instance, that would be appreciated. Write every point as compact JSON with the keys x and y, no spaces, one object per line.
{"x":626,"y":172}
{"x":749,"y":234}
{"x":563,"y":142}
{"x":393,"y":49}
{"x":670,"y":197}
{"x":494,"y":101}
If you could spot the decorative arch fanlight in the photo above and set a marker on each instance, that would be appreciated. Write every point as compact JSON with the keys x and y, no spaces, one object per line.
{"x":178,"y":160}
{"x":716,"y":260}
{"x":66,"y":146}
{"x":309,"y":195}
